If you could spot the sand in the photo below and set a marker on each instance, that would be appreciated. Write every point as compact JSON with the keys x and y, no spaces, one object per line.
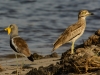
{"x":10,"y":66}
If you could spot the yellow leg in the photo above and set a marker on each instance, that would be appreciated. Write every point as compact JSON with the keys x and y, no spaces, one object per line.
{"x":72,"y":47}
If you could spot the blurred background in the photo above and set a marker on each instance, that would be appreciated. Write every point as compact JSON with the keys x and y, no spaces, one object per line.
{"x":41,"y":22}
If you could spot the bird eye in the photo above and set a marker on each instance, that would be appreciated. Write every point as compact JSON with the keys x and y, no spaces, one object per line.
{"x":84,"y":12}
{"x":11,"y":26}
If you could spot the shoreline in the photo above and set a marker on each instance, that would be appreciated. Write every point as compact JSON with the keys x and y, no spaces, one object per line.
{"x":9,"y":66}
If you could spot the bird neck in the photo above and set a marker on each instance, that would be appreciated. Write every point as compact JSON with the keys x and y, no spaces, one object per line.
{"x":14,"y":34}
{"x":82,"y":19}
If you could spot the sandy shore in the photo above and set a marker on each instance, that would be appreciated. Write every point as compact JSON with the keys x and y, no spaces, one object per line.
{"x":9,"y":66}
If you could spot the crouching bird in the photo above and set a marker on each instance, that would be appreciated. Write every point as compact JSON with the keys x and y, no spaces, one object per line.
{"x":17,"y":43}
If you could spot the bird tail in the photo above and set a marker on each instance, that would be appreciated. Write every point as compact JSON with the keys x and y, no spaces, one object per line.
{"x":55,"y":47}
{"x":31,"y":58}
{"x":57,"y":44}
{"x":52,"y":50}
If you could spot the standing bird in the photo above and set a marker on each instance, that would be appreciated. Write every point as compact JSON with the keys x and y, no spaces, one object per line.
{"x":17,"y":43}
{"x":73,"y":32}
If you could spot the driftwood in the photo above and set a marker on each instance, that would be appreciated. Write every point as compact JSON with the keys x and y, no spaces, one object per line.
{"x":86,"y":59}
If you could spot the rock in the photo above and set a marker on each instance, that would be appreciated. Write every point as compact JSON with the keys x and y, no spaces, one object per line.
{"x":85,"y":60}
{"x":50,"y":70}
{"x":53,"y":55}
{"x":93,"y":40}
{"x":37,"y":56}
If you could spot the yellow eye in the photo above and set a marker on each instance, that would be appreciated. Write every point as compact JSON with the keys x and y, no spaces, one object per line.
{"x":84,"y":12}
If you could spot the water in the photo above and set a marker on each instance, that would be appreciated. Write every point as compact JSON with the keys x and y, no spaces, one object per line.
{"x":40,"y":22}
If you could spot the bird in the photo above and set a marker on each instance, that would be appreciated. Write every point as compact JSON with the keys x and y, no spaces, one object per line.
{"x":18,"y":44}
{"x":73,"y":32}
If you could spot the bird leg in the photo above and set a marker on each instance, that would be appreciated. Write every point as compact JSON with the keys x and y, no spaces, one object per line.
{"x":17,"y":63}
{"x":72,"y":47}
{"x":22,"y":63}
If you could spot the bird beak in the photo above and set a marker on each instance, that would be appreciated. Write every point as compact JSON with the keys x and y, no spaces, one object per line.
{"x":8,"y":29}
{"x":91,"y":14}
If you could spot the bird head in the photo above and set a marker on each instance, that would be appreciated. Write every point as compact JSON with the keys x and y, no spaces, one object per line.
{"x":84,"y":13}
{"x":10,"y":28}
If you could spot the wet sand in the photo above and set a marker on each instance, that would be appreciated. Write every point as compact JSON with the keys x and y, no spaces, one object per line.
{"x":10,"y":66}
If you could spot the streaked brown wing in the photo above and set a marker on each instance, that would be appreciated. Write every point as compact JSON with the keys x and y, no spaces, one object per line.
{"x":21,"y":45}
{"x":68,"y":34}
